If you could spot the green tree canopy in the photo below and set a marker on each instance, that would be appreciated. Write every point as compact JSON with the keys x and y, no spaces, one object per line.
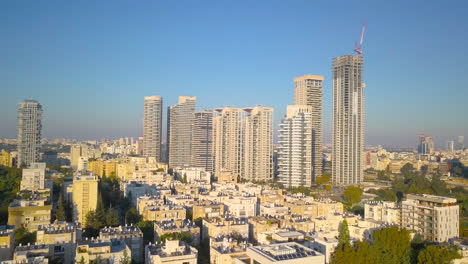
{"x":437,"y":255}
{"x":352,"y":195}
{"x":343,"y":237}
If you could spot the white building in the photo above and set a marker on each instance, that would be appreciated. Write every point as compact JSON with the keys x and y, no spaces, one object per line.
{"x":295,"y":151}
{"x":284,"y":253}
{"x":152,"y":125}
{"x":436,"y":218}
{"x":171,"y":252}
{"x":33,"y":178}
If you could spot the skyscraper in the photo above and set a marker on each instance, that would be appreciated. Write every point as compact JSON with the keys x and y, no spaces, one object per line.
{"x":450,"y":145}
{"x":202,"y":140}
{"x":426,"y":144}
{"x":179,"y":133}
{"x":228,"y":140}
{"x":295,"y":151}
{"x":242,"y":142}
{"x":309,"y":92}
{"x":348,"y":120}
{"x":152,"y":122}
{"x":258,"y":156}
{"x":461,"y":142}
{"x":29,"y":132}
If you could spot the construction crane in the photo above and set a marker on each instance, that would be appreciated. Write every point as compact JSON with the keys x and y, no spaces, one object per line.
{"x":358,"y":46}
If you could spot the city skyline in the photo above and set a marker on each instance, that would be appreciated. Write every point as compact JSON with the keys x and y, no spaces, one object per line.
{"x":396,"y":72}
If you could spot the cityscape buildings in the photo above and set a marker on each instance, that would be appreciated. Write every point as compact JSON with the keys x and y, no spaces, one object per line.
{"x":152,"y":127}
{"x":348,"y":120}
{"x":202,"y":140}
{"x":258,"y":149}
{"x":295,"y":147}
{"x":179,"y":122}
{"x":29,"y":132}
{"x":426,"y":144}
{"x":461,"y":143}
{"x":309,"y":92}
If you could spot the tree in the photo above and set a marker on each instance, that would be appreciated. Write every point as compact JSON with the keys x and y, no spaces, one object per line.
{"x":100,"y":210}
{"x":437,"y":255}
{"x":343,"y":237}
{"x":132,"y":216}
{"x":147,"y":227}
{"x":82,"y":260}
{"x":407,"y":168}
{"x":112,"y":217}
{"x":125,"y":259}
{"x":393,"y":245}
{"x":22,"y":236}
{"x":323,"y":179}
{"x":352,"y":195}
{"x":61,"y":214}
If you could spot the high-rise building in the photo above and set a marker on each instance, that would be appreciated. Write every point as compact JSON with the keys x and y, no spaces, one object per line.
{"x":258,"y":156}
{"x":152,"y":125}
{"x":85,"y":193}
{"x":29,"y":132}
{"x":450,"y":145}
{"x":179,"y":132}
{"x":295,"y":148}
{"x":228,"y":140}
{"x":461,"y":143}
{"x":81,"y":151}
{"x":202,"y":140}
{"x":348,"y":120}
{"x":426,"y":144}
{"x":309,"y":92}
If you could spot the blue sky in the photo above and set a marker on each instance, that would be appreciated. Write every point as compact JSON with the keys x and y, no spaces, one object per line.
{"x":90,"y":63}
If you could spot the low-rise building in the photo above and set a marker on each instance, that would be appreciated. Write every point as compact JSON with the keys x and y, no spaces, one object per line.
{"x":436,"y":218}
{"x":224,"y":249}
{"x":177,"y":226}
{"x":207,"y":209}
{"x":241,"y":206}
{"x":261,"y":224}
{"x":61,"y":238}
{"x":33,"y":177}
{"x":170,"y":252}
{"x":325,"y":243}
{"x":7,"y":242}
{"x":385,"y":212}
{"x":214,"y":227}
{"x":37,"y":253}
{"x":106,"y":251}
{"x":272,"y":209}
{"x":29,"y":213}
{"x":287,"y":253}
{"x":164,"y":212}
{"x":131,"y":235}
{"x":148,"y":200}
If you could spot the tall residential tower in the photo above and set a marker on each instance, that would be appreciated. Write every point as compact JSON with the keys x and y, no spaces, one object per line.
{"x":179,"y":132}
{"x":152,"y":123}
{"x":295,"y":150}
{"x":202,"y":140}
{"x":309,"y":92}
{"x":348,"y":120}
{"x":29,"y":132}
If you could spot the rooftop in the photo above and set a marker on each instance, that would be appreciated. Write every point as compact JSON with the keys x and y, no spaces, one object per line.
{"x":284,"y":251}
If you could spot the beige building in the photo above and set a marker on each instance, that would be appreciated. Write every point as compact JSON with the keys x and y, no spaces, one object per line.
{"x":31,"y":254}
{"x":295,"y":150}
{"x":179,"y":122}
{"x":29,"y":214}
{"x":308,"y":91}
{"x":258,"y":151}
{"x":262,"y":224}
{"x":384,"y":212}
{"x":214,"y":227}
{"x":152,"y":126}
{"x":171,"y":252}
{"x":85,"y":193}
{"x":436,"y":218}
{"x":228,"y":140}
{"x":7,"y":242}
{"x":202,"y":140}
{"x":131,"y":235}
{"x":207,"y":209}
{"x":107,"y":251}
{"x":348,"y":120}
{"x":177,"y":226}
{"x":6,"y":159}
{"x":163,"y":213}
{"x":61,"y":238}
{"x":224,"y":249}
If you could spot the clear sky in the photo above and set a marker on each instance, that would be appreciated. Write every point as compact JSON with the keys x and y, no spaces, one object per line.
{"x":90,"y":63}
